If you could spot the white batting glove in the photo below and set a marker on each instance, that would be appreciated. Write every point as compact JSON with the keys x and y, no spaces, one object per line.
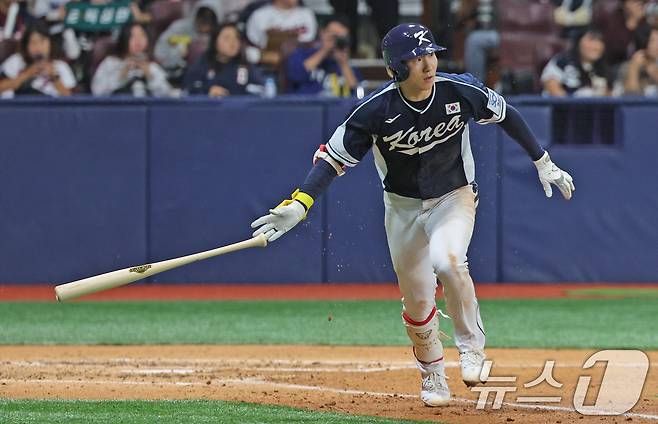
{"x":284,"y":217}
{"x":279,"y":221}
{"x":549,"y":174}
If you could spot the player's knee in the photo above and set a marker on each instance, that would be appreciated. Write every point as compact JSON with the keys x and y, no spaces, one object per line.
{"x":449,"y":264}
{"x":418,"y":309}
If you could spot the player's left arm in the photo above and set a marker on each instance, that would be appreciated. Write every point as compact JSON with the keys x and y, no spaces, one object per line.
{"x":489,"y":107}
{"x":517,"y":128}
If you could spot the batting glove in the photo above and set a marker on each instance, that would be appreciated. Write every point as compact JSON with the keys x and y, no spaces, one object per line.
{"x":284,"y":217}
{"x":549,"y":174}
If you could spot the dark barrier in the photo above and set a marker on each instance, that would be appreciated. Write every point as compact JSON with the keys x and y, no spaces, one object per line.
{"x":73,"y":193}
{"x":88,"y":186}
{"x":608,"y":231}
{"x":213,"y":170}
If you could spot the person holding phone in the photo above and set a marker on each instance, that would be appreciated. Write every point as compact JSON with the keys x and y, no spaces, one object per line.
{"x":131,"y":70}
{"x":323,"y":67}
{"x":34,"y":71}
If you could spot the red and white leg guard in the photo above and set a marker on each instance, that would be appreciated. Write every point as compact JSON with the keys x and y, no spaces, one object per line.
{"x":427,"y":347}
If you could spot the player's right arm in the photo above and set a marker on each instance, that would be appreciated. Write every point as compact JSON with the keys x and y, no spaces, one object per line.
{"x":291,"y":211}
{"x":346,"y":147}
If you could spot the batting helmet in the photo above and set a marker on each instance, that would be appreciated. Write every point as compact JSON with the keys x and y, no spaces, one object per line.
{"x":405,"y":42}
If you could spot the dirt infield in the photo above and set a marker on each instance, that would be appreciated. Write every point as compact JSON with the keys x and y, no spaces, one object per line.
{"x":361,"y":380}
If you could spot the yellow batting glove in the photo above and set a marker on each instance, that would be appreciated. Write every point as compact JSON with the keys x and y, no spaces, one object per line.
{"x":303,"y":198}
{"x":284,"y":217}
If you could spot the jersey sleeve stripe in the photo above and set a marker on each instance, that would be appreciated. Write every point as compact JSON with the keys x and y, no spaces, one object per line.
{"x":336,"y":148}
{"x":440,"y":79}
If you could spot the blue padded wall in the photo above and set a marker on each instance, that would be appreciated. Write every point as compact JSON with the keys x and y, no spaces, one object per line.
{"x":88,"y":186}
{"x":608,"y":231}
{"x":72,"y":191}
{"x":483,"y":251}
{"x":213,"y":170}
{"x":357,"y":250}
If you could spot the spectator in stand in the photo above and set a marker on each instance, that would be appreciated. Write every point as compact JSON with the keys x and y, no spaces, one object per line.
{"x":50,"y":10}
{"x":222,"y":70}
{"x":34,"y":70}
{"x":580,"y":71}
{"x":233,"y":9}
{"x":621,"y":29}
{"x":639,"y":76}
{"x":324,"y":66}
{"x":385,"y":15}
{"x":481,"y":40}
{"x":270,"y":26}
{"x":54,"y":12}
{"x":573,"y":17}
{"x":173,"y":45}
{"x":140,"y":13}
{"x":131,"y":70}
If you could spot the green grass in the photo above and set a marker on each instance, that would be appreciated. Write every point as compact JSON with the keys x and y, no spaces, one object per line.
{"x":553,"y":323}
{"x":615,"y":292}
{"x":161,"y":412}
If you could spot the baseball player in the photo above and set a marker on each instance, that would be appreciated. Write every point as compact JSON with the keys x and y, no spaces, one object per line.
{"x":416,"y":125}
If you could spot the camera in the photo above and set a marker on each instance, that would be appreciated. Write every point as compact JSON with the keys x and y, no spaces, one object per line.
{"x":342,"y":43}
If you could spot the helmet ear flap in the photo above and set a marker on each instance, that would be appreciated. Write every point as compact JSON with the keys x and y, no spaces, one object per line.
{"x":402,"y":72}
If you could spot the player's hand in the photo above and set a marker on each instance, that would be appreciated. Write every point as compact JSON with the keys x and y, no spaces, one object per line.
{"x":145,"y":66}
{"x":549,"y":174}
{"x":279,"y":221}
{"x":218,"y":91}
{"x":342,"y":56}
{"x":47,"y":69}
{"x":31,"y":72}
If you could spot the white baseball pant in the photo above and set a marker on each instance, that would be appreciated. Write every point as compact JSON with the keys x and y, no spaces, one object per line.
{"x":429,"y":239}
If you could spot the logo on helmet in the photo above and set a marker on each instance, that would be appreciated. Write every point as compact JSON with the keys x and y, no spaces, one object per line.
{"x":420,"y":35}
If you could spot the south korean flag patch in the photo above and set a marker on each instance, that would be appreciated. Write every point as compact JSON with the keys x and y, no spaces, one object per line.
{"x":452,"y":108}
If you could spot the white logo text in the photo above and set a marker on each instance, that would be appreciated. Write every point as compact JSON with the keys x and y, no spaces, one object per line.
{"x":406,"y":141}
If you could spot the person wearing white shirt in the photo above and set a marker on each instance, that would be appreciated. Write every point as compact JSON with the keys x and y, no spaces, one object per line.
{"x":270,"y":25}
{"x":131,"y":70}
{"x":33,"y":70}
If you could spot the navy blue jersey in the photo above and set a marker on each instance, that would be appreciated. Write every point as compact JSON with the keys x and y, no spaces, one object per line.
{"x":419,"y":153}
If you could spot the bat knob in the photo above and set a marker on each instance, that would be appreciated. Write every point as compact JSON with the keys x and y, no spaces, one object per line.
{"x":261,"y":240}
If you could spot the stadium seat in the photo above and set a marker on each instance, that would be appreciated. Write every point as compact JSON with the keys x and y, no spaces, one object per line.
{"x":163,"y":13}
{"x":197,"y":48}
{"x":526,"y":16}
{"x":602,"y":9}
{"x":7,"y":48}
{"x":528,"y":39}
{"x":102,"y":48}
{"x":524,"y":55}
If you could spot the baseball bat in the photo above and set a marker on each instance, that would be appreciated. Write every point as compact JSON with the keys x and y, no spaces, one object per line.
{"x":125,"y":276}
